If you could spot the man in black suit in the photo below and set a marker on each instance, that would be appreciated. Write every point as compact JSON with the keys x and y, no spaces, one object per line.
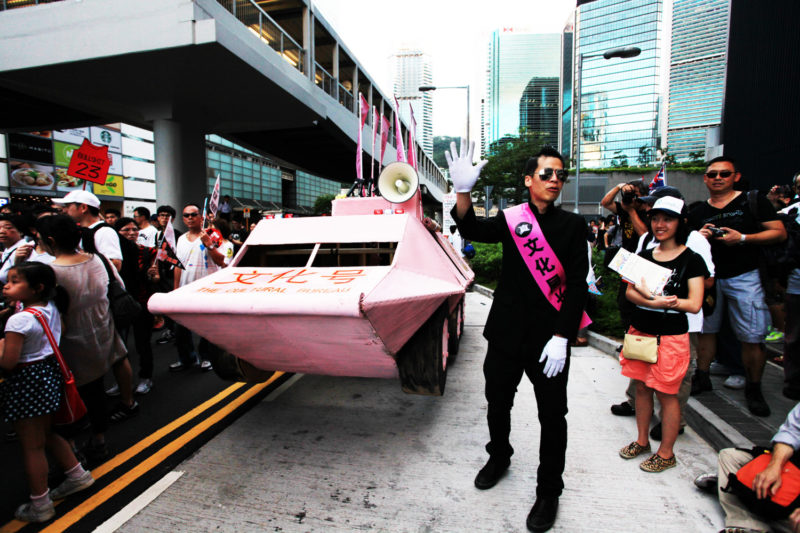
{"x":525,"y":330}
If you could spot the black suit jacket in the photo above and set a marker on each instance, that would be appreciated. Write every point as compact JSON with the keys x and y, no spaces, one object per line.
{"x":520,"y":313}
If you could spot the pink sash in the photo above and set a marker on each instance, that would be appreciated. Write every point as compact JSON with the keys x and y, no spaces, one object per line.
{"x":542,"y":262}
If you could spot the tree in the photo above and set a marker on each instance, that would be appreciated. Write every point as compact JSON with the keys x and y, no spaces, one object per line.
{"x":440,"y":144}
{"x":619,"y":160}
{"x":645,"y":156}
{"x":667,"y":157}
{"x":697,"y":158}
{"x":322,"y":205}
{"x":507,"y":158}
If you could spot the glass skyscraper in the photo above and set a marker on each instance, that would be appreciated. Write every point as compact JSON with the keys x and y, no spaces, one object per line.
{"x":538,"y":109}
{"x":515,"y":59}
{"x":567,"y":52}
{"x":412,"y":70}
{"x":620,"y":98}
{"x":697,"y":73}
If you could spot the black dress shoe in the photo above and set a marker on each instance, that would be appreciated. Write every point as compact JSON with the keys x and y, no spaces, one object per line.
{"x":491,"y":473}
{"x":623,"y":409}
{"x":655,"y":433}
{"x":543,"y":514}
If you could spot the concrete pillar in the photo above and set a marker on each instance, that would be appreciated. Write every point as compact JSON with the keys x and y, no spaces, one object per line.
{"x":309,"y":67}
{"x":181,"y":175}
{"x":335,"y":70}
{"x":356,"y":103}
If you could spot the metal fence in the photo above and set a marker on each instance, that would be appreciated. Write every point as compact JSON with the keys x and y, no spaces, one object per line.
{"x":324,"y":80}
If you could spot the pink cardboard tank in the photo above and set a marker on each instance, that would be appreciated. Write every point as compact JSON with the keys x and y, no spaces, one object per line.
{"x":369,"y":291}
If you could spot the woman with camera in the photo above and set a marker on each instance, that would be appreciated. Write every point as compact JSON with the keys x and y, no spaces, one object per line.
{"x":663,"y":316}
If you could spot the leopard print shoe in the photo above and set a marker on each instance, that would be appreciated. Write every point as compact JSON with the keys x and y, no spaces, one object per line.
{"x":655,"y":463}
{"x":634,"y":449}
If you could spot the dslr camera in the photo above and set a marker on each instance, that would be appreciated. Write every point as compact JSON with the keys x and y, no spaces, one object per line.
{"x":716,"y":232}
{"x":628,"y":197}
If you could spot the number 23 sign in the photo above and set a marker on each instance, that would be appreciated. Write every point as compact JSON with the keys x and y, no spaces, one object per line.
{"x":90,"y":163}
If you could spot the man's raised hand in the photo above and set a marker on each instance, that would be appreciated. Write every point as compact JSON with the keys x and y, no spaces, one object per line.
{"x":463,"y":173}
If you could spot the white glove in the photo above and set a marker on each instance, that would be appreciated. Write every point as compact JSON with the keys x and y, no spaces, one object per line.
{"x":555,"y":351}
{"x":463,"y":173}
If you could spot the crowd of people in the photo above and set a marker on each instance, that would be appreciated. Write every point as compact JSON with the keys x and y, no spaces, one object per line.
{"x":59,"y":259}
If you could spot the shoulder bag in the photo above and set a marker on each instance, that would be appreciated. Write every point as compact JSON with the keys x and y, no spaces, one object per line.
{"x":123,"y":306}
{"x":72,"y":407}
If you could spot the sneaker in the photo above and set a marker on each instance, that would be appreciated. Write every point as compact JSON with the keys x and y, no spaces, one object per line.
{"x":774,"y":336}
{"x":735,"y":382}
{"x":144,"y":386}
{"x":122,"y":412}
{"x":623,"y":409}
{"x":701,"y":381}
{"x":492,"y":471}
{"x":718,"y":369}
{"x":113,"y":391}
{"x":205,"y":365}
{"x":755,"y":400}
{"x":71,"y":486}
{"x":655,"y":463}
{"x":166,"y":337}
{"x":633,"y":449}
{"x":94,"y":454}
{"x":177,"y":366}
{"x":27,"y":512}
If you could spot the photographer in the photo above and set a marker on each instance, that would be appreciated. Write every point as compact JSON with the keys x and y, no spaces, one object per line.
{"x":631,"y":212}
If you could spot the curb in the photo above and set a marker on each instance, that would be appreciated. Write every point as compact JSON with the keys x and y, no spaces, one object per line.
{"x":709,"y":426}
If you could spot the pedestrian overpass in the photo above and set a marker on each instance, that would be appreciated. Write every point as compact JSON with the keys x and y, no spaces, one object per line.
{"x":269,"y":74}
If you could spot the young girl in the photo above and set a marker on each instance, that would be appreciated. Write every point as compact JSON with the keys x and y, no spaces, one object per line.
{"x":32,"y":390}
{"x":663,"y":315}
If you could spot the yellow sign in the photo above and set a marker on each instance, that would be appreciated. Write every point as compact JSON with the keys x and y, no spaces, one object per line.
{"x":113,"y":187}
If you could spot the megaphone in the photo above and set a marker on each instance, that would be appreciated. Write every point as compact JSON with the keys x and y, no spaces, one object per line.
{"x":398,"y":182}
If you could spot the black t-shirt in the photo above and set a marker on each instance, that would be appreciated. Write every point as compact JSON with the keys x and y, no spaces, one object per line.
{"x":656,"y":321}
{"x":629,"y":236}
{"x":730,"y":261}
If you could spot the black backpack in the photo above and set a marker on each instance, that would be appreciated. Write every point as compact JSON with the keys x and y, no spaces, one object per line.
{"x":778,"y":260}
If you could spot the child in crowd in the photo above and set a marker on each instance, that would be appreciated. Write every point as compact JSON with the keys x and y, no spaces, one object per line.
{"x":32,"y":390}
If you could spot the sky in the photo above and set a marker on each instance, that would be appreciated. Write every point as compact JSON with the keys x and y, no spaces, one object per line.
{"x":454,"y":33}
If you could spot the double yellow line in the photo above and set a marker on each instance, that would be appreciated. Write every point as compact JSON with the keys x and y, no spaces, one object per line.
{"x":90,"y":504}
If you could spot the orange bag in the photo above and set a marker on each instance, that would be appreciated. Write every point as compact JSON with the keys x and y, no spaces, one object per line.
{"x":776,"y":507}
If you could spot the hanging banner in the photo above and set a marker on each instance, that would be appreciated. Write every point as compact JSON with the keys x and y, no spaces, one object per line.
{"x":384,"y":138}
{"x":398,"y":133}
{"x":412,"y":147}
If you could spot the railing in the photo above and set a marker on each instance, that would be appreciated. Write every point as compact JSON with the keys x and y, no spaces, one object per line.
{"x":14,"y":4}
{"x":265,"y":28}
{"x":345,"y":98}
{"x":324,"y":80}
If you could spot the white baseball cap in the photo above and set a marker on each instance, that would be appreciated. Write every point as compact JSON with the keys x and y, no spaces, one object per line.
{"x":668,"y":204}
{"x":79,"y":197}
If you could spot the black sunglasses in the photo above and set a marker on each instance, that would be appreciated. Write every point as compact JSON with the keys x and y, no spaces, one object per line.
{"x":722,"y":174}
{"x":190,"y":215}
{"x":547,"y":173}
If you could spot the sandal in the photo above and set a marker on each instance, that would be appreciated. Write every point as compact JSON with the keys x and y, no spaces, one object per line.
{"x":655,"y":463}
{"x":633,"y":449}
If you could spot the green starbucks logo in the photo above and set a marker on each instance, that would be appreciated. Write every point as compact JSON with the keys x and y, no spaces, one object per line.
{"x":105,"y":137}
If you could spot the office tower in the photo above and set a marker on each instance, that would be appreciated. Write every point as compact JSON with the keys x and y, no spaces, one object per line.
{"x":697,"y":73}
{"x":538,"y":108}
{"x":412,"y":70}
{"x":516,"y":61}
{"x":620,"y":98}
{"x":565,"y":88}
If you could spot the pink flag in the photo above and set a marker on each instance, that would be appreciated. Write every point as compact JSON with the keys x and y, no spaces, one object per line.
{"x":384,"y":138}
{"x":363,"y":112}
{"x":214,"y":203}
{"x":412,"y":147}
{"x":398,"y":133}
{"x":374,"y":134}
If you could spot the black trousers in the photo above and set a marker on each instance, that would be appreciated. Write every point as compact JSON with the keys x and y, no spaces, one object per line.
{"x":185,"y":345}
{"x":791,"y":344}
{"x":142,"y":334}
{"x":503,"y":371}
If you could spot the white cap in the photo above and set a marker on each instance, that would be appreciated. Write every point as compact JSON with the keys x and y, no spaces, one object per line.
{"x":79,"y":197}
{"x":669,"y":205}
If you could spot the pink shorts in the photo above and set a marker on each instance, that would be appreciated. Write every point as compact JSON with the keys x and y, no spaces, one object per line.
{"x":666,"y":374}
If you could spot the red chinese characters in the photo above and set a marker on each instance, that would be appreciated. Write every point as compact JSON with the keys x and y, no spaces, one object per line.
{"x":295,"y":276}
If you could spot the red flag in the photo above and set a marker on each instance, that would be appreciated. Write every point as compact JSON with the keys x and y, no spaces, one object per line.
{"x":384,"y":137}
{"x":412,"y":147}
{"x":398,"y":133}
{"x":214,"y":203}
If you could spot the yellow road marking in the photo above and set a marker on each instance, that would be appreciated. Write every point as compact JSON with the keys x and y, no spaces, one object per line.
{"x":151,"y":462}
{"x":15,"y":525}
